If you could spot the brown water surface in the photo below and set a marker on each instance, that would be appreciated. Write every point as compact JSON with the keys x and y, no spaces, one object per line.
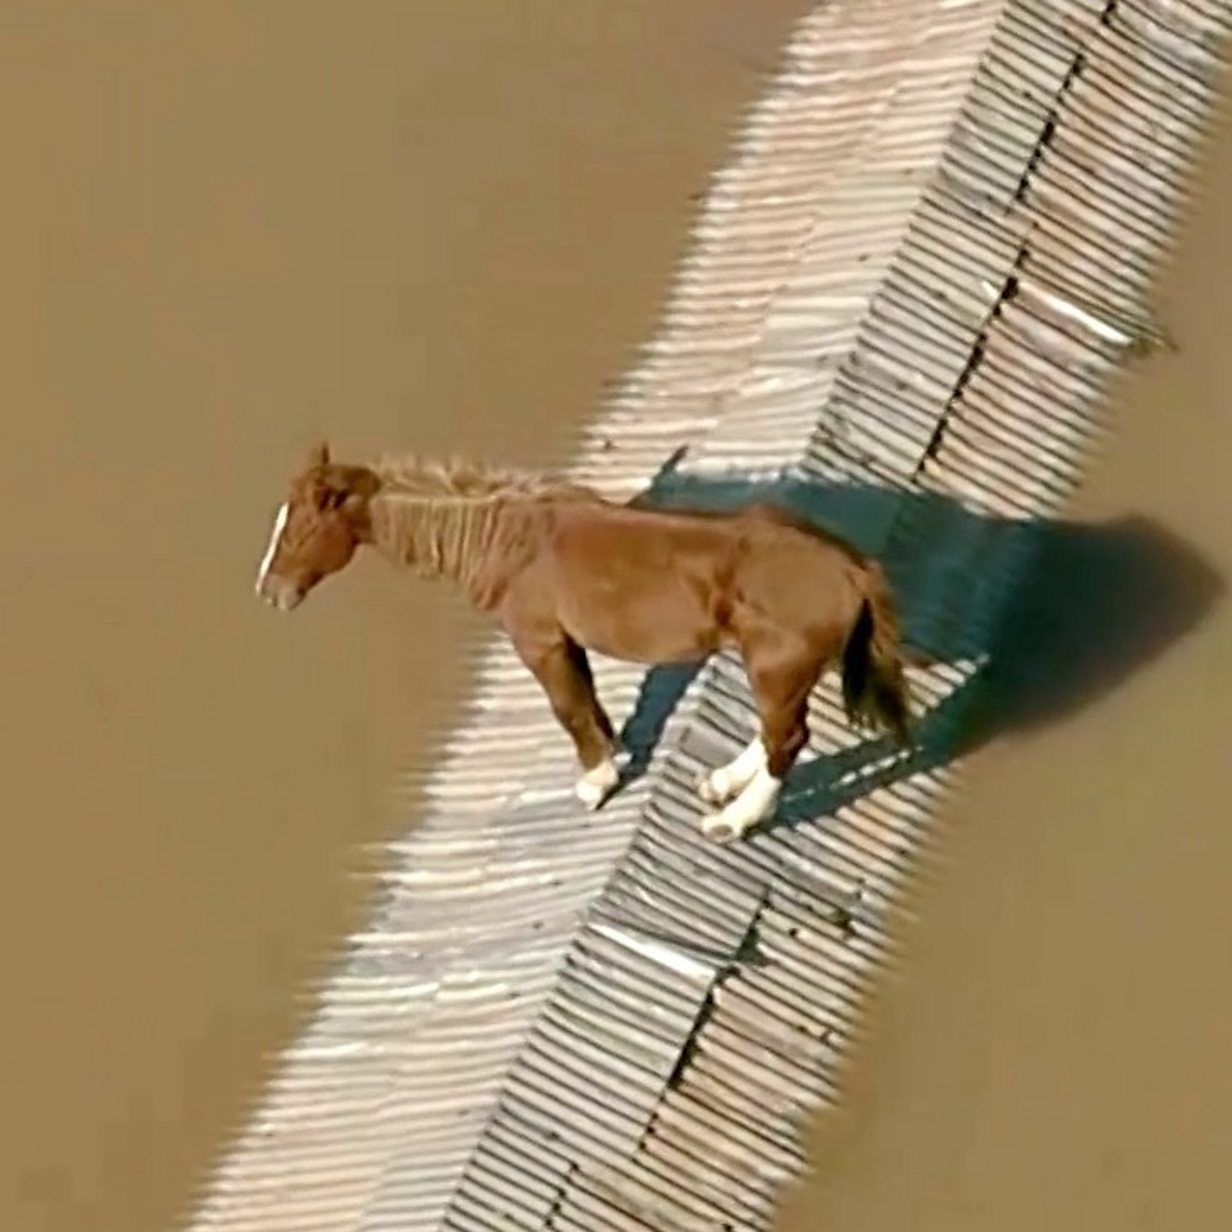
{"x":1059,"y":1055}
{"x":228,"y":226}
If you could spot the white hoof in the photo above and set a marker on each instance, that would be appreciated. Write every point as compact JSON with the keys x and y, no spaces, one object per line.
{"x":716,"y":827}
{"x":715,"y":788}
{"x":753,"y":805}
{"x":595,"y":785}
{"x":728,"y":781}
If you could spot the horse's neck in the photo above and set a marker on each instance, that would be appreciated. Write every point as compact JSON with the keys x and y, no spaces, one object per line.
{"x":440,"y":540}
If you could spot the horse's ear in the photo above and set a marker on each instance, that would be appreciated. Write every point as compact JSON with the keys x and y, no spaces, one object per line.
{"x":318,"y":455}
{"x":321,"y":495}
{"x":359,"y":485}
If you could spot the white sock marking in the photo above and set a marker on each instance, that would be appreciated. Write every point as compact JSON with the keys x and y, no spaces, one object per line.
{"x":720,"y":785}
{"x":755,"y":803}
{"x":280,"y":525}
{"x":592,"y":788}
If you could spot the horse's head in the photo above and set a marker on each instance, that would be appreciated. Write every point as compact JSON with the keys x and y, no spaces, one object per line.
{"x":316,"y":530}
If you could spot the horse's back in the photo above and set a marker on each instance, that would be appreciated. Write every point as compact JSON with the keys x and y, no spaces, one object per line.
{"x":792,"y":573}
{"x":660,"y":584}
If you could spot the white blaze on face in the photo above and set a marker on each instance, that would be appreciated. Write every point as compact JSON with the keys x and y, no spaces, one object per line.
{"x":280,"y":525}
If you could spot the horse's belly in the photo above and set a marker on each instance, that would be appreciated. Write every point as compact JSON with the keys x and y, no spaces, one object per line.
{"x":657,"y":623}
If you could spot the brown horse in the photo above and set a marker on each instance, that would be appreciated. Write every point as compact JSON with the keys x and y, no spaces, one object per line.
{"x":565,"y":571}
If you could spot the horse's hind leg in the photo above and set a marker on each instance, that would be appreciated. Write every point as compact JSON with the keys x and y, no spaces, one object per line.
{"x":562,"y":668}
{"x":730,"y":779}
{"x":782,"y":679}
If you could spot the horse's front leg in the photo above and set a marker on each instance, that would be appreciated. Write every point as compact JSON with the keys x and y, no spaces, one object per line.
{"x":562,"y":668}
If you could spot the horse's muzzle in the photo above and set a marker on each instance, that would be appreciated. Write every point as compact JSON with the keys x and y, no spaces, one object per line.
{"x":280,"y":593}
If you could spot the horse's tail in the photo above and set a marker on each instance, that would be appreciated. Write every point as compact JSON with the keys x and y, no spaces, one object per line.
{"x":874,"y":687}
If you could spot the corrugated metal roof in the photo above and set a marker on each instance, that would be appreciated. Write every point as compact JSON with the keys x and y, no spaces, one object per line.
{"x":933,"y":246}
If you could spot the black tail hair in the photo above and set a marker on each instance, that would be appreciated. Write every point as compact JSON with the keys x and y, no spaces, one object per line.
{"x":874,"y":687}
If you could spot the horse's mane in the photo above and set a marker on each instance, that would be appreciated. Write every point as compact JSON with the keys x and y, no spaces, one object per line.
{"x":464,"y":479}
{"x":437,"y":512}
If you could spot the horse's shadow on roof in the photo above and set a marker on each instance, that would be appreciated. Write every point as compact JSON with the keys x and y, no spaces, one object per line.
{"x":1058,"y":612}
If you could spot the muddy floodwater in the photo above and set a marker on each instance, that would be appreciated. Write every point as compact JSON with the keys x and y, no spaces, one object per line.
{"x":227,"y":227}
{"x":1059,"y":1055}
